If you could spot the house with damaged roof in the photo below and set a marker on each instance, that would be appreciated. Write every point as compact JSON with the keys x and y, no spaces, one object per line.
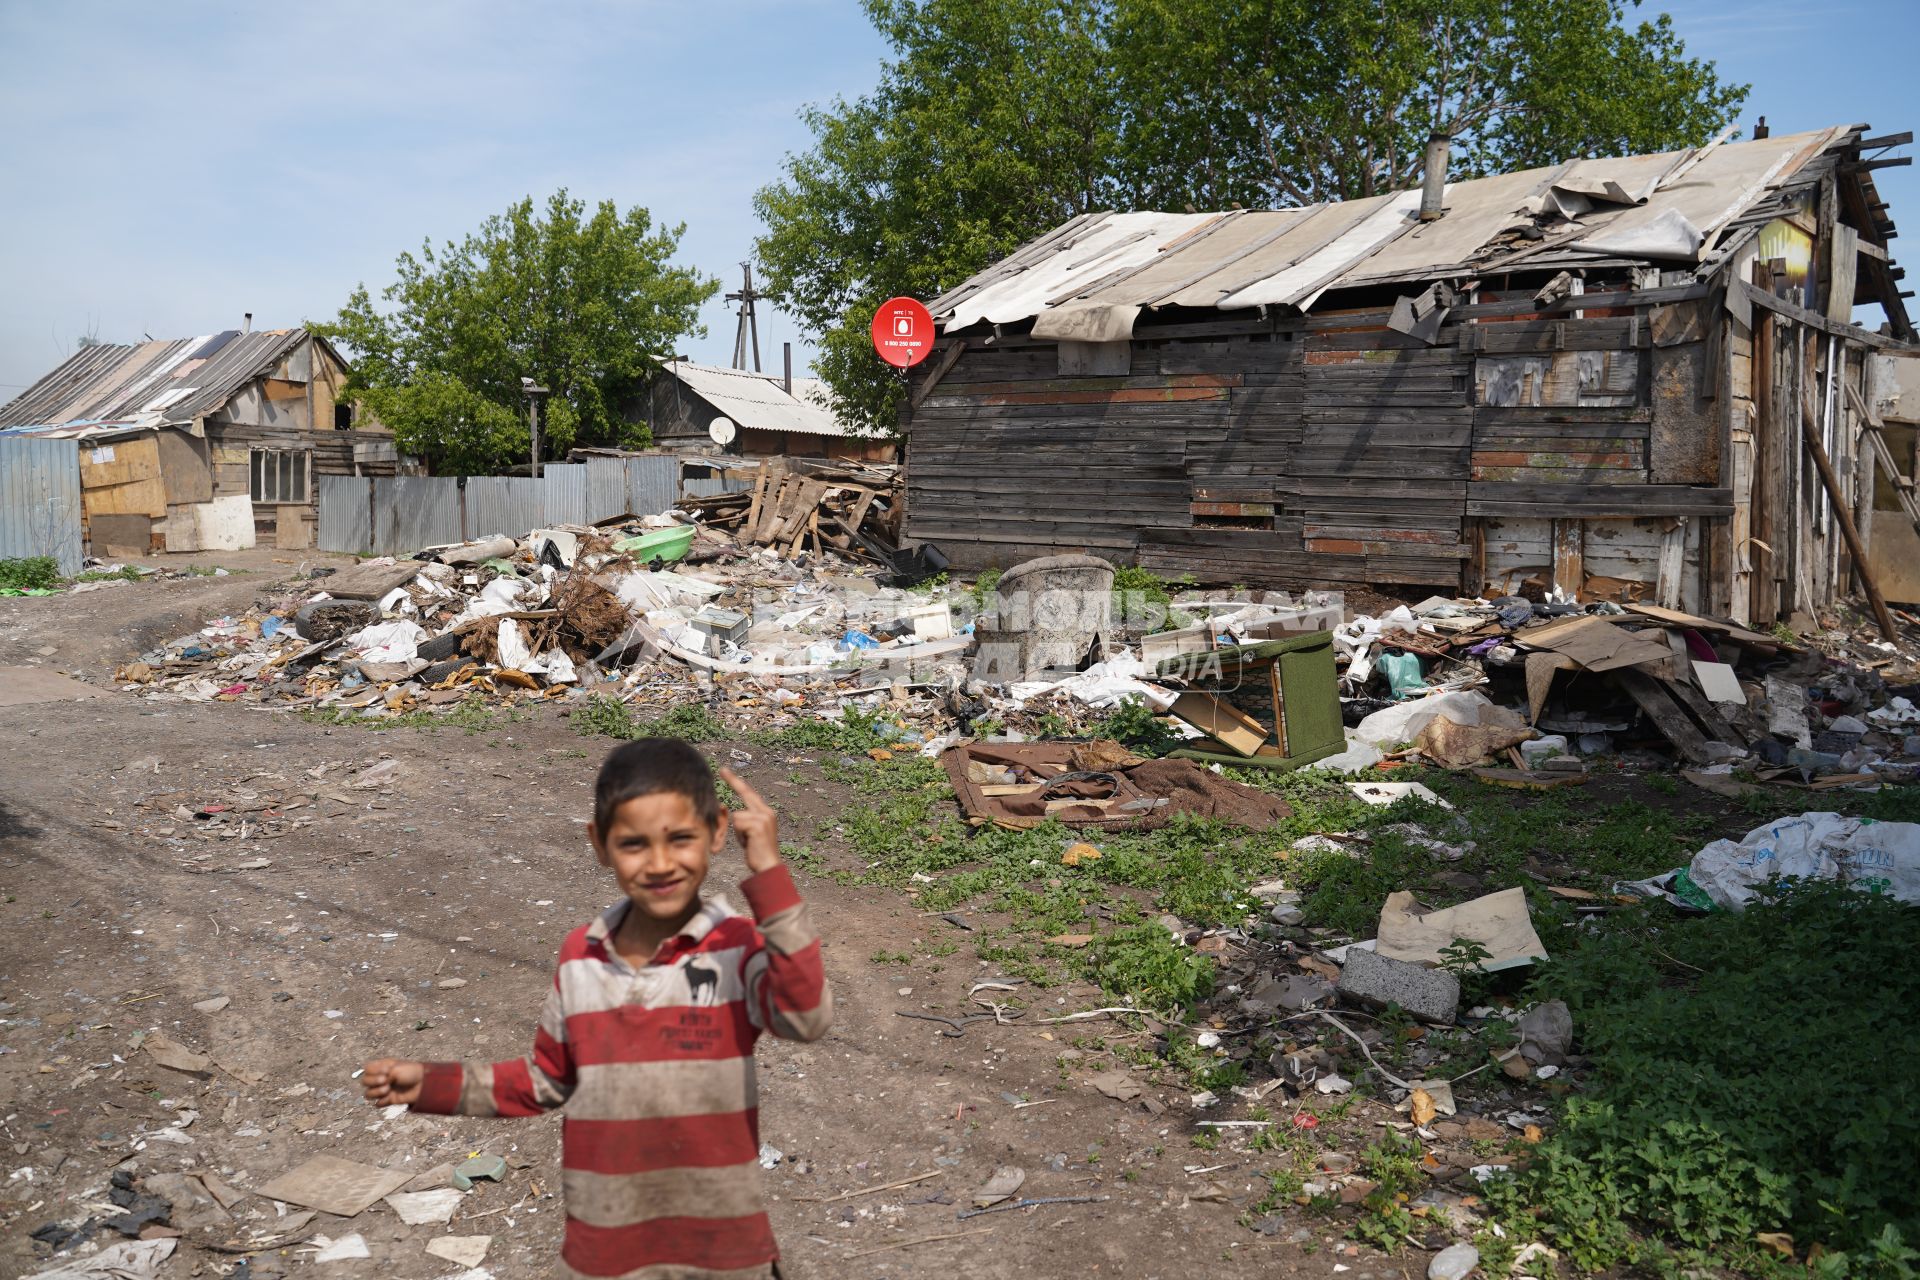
{"x":204,"y":443}
{"x":1637,"y":378}
{"x":704,"y":408}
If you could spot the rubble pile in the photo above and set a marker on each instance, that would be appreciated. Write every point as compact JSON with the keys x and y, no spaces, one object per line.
{"x":798,"y":505}
{"x":784,"y":599}
{"x":1546,"y":686}
{"x":659,"y":608}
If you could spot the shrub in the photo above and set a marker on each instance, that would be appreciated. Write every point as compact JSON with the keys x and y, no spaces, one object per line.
{"x":1756,"y":1072}
{"x":30,"y":574}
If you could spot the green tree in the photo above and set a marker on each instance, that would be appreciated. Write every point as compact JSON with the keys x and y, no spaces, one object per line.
{"x":994,"y":122}
{"x":1296,"y":101}
{"x":583,"y":303}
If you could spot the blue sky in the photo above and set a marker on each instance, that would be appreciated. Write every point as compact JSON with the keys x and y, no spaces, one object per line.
{"x":164,"y":168}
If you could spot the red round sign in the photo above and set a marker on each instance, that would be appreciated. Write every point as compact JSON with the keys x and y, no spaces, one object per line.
{"x":902,"y":332}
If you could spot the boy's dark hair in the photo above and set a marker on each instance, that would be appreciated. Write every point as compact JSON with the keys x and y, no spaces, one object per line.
{"x":651,"y":766}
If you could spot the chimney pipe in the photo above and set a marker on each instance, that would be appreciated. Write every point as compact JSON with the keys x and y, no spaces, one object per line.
{"x":1760,"y":130}
{"x":1433,"y":188}
{"x":248,"y":326}
{"x":786,"y":355}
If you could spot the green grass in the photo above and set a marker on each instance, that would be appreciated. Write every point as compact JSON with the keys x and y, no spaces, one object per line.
{"x":31,"y":573}
{"x":602,"y":715}
{"x":1141,"y":596}
{"x":855,"y":731}
{"x":1756,"y":1073}
{"x":125,"y":573}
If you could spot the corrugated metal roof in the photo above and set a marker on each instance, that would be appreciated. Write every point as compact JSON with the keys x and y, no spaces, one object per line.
{"x":149,"y":383}
{"x":758,"y":401}
{"x":1091,"y":277}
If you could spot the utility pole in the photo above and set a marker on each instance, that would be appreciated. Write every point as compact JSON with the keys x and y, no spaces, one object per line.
{"x":748,"y":322}
{"x":534,"y":394}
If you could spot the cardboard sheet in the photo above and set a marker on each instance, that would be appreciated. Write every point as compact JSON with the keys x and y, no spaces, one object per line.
{"x":333,"y":1185}
{"x":1596,"y":644}
{"x":1718,"y":681}
{"x":1499,"y":922}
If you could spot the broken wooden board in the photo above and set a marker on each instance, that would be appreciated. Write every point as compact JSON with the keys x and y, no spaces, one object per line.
{"x":1226,"y":724}
{"x":1655,"y":698}
{"x":1530,"y":779}
{"x":368,"y":581}
{"x":1732,"y":630}
{"x":1704,"y":713}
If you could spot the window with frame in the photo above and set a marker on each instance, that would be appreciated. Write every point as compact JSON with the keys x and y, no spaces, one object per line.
{"x":281,"y":476}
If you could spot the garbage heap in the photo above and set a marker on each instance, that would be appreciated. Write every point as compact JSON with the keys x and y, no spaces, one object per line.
{"x":656,"y":609}
{"x":1529,"y":692}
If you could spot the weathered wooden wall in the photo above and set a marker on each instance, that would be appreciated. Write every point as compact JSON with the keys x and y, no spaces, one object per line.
{"x":1333,"y":452}
{"x":1636,"y":450}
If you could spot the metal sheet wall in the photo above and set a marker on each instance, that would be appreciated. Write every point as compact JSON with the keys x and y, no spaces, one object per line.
{"x":503,"y":505}
{"x":346,"y":521}
{"x":607,"y":487}
{"x":653,"y":484}
{"x":410,"y":512}
{"x":399,"y":515}
{"x":566,"y":495}
{"x":40,"y":501}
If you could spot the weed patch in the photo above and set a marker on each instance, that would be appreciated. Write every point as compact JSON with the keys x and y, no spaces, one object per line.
{"x":1755,"y":1074}
{"x":31,"y":573}
{"x":605,"y":716}
{"x":1144,"y":600}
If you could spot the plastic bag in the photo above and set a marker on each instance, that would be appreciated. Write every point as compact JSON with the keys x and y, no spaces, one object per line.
{"x":1879,"y":857}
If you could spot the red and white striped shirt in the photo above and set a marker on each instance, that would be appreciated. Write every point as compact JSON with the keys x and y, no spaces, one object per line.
{"x":660,"y":1149}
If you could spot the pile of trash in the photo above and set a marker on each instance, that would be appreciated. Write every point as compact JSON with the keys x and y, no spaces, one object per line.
{"x":792,"y":597}
{"x":552,"y":615}
{"x":798,"y":505}
{"x":1647,"y":684}
{"x":1529,"y":691}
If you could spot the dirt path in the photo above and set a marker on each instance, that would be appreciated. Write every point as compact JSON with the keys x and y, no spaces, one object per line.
{"x":415,"y":911}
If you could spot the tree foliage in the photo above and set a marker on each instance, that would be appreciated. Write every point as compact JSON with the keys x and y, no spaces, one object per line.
{"x":994,"y":122}
{"x":583,"y":303}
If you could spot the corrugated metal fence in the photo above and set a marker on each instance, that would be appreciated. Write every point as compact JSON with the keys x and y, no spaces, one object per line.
{"x":40,"y":501}
{"x":393,"y":516}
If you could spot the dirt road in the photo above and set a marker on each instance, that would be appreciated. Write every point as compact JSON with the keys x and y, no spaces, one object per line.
{"x":403,"y":893}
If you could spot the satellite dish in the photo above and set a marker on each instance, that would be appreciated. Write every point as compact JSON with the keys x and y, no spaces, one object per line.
{"x":722,"y":430}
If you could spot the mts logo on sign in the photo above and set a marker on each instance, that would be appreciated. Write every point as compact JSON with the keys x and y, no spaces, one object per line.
{"x":902,"y":332}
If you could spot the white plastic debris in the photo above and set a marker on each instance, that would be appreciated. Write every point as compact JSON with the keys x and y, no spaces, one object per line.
{"x":388,"y":641}
{"x":1391,"y":726}
{"x":1385,"y":793}
{"x":345,"y":1249}
{"x":1881,"y":857}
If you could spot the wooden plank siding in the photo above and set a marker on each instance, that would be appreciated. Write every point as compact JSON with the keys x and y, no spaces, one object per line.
{"x":1290,"y":454}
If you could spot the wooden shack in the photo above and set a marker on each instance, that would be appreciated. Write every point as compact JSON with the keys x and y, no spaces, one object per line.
{"x":760,"y":415}
{"x":1597,"y":377}
{"x":204,"y":443}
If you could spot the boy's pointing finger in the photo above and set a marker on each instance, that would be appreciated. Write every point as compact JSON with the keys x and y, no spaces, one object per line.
{"x":748,"y":796}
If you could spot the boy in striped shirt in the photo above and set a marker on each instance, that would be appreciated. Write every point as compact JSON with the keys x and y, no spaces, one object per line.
{"x":647,"y":1037}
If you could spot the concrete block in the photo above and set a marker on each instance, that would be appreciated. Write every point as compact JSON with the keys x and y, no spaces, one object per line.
{"x":1431,"y":995}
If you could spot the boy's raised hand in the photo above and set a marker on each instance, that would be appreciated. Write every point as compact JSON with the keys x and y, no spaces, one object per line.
{"x":755,"y":823}
{"x":386,"y":1081}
